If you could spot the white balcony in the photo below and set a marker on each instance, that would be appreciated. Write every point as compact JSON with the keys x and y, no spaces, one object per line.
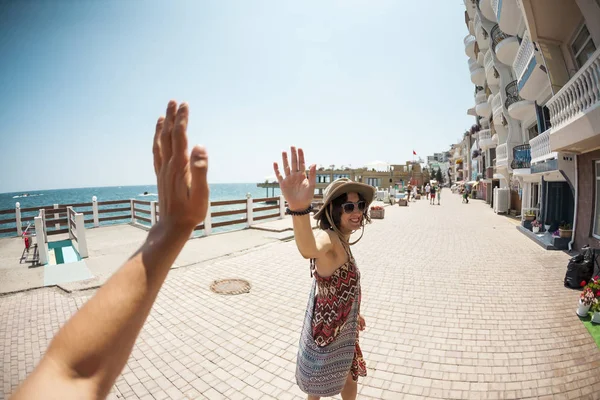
{"x":502,"y":156}
{"x":491,"y":74}
{"x":477,"y":73}
{"x":497,"y":109}
{"x":470,"y":46}
{"x":481,"y":34}
{"x":485,"y":139}
{"x":505,"y":46}
{"x":540,"y":148}
{"x":483,"y":109}
{"x":508,"y":15}
{"x":487,"y":10}
{"x":531,"y":78}
{"x":518,"y":108}
{"x":575,"y":110}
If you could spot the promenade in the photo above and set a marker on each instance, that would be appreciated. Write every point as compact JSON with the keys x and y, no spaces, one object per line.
{"x":458,"y":305}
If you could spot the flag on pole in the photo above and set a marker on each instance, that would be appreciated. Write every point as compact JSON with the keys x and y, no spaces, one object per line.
{"x":414,"y":153}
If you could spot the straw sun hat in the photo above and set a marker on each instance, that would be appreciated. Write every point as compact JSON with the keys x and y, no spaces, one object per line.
{"x":345,"y":185}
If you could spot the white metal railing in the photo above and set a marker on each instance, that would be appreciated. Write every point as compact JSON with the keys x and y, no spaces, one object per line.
{"x":473,"y":65}
{"x":579,"y":94}
{"x":540,"y":146}
{"x":502,"y":154}
{"x":477,"y":24}
{"x":480,"y":97}
{"x":469,"y":39}
{"x":488,"y":60}
{"x":495,"y":5}
{"x":485,"y":134}
{"x":497,"y":102}
{"x":524,"y":55}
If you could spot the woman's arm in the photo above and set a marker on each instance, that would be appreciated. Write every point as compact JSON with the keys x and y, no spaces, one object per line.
{"x":298,"y":190}
{"x":90,"y":351}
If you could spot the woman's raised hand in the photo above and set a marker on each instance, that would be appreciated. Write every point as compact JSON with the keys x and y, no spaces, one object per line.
{"x":297,"y":188}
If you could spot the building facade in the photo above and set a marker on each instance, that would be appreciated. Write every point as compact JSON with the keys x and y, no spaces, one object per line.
{"x":535,"y":65}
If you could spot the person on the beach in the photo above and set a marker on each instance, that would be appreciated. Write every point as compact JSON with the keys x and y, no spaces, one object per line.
{"x":432,"y":195}
{"x":329,"y":358}
{"x":89,"y":352}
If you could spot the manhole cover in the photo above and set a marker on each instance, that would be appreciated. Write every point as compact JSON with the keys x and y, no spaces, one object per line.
{"x":230,"y":286}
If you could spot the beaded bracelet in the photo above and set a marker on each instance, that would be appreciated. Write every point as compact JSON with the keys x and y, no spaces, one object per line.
{"x":304,"y":212}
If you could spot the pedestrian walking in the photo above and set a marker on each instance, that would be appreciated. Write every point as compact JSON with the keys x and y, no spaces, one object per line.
{"x":427,"y":190}
{"x":432,"y":195}
{"x":329,"y":359}
{"x":439,"y":194}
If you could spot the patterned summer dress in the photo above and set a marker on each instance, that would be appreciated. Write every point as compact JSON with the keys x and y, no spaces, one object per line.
{"x":333,"y":305}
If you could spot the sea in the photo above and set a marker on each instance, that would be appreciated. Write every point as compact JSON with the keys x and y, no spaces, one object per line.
{"x":39,"y":198}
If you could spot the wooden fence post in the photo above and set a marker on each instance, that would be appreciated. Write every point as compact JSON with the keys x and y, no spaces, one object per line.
{"x":95,"y":211}
{"x":208,"y":222}
{"x":152,"y":213}
{"x":18,"y":218}
{"x":281,"y":206}
{"x":40,"y":236}
{"x":249,"y":208}
{"x":80,"y":233}
{"x":56,"y":216}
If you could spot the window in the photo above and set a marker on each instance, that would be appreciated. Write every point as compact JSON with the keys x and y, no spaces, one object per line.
{"x":532,"y":131}
{"x":373,"y":182}
{"x":597,"y":208}
{"x":583,"y":46}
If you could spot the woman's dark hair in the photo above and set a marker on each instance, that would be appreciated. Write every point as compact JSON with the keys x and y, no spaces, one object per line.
{"x":323,"y":222}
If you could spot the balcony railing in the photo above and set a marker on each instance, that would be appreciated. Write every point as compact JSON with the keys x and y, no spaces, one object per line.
{"x":480,"y":97}
{"x":496,"y":5}
{"x":479,"y":27}
{"x":473,"y":65}
{"x":497,"y":36}
{"x":524,"y":55}
{"x":540,"y":146}
{"x":497,"y":102}
{"x":488,"y":60}
{"x":579,"y":94}
{"x":469,"y":39}
{"x":502,"y":154}
{"x":485,"y":134}
{"x":512,"y":94}
{"x":521,"y":157}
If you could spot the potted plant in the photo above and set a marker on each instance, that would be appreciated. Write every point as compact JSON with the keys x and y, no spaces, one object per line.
{"x":586,"y":299}
{"x":565,"y":229}
{"x":547,"y":225}
{"x":529,"y":215}
{"x":596,"y":310}
{"x":535,"y":226}
{"x":377,"y":212}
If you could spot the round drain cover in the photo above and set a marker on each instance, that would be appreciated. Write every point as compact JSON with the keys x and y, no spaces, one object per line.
{"x":230,"y":286}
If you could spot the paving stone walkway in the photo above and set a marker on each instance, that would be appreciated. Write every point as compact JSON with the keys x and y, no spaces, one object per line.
{"x":458,"y":305}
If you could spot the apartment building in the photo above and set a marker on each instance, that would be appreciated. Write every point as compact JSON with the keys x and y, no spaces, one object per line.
{"x":535,"y":65}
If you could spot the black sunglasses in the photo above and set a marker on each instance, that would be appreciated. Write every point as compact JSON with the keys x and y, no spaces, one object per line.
{"x":349,"y":207}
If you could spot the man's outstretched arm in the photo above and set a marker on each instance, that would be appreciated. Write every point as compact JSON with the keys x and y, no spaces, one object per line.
{"x":89,"y":352}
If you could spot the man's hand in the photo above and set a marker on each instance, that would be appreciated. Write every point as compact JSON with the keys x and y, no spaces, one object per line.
{"x":181,"y":178}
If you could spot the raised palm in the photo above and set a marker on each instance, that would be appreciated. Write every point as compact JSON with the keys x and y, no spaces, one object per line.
{"x":296,"y":187}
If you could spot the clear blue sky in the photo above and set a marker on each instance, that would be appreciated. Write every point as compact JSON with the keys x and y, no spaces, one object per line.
{"x":84,"y":81}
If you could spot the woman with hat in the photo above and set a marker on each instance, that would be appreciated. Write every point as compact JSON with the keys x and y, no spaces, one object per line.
{"x":329,"y":356}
